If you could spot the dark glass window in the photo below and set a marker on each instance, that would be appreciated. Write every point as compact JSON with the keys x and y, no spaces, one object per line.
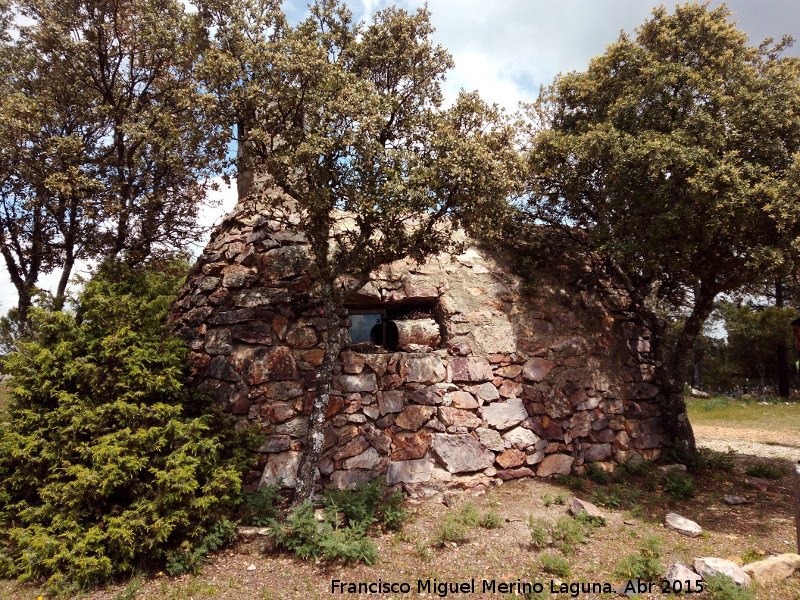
{"x":361,"y":326}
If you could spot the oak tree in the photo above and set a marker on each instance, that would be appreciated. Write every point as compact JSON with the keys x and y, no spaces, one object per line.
{"x":346,"y":119}
{"x":676,"y":152}
{"x":108,"y":140}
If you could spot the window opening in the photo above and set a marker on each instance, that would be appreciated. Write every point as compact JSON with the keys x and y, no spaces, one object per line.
{"x":394,"y":328}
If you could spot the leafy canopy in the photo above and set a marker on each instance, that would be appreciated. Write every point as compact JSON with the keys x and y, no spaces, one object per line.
{"x":676,"y":149}
{"x":346,"y":119}
{"x":107,"y":460}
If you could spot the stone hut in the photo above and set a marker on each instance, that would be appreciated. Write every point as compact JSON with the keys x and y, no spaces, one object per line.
{"x":459,"y":370}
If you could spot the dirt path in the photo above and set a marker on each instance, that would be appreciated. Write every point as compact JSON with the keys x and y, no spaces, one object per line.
{"x":755,"y":442}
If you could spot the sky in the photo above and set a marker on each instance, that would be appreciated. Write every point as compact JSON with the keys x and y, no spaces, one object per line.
{"x":508,"y":49}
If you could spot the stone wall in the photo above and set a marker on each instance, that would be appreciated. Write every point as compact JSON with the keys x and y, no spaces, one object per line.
{"x":533,"y":376}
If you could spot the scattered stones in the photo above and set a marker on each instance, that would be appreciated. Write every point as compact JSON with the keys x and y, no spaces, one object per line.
{"x":682,"y":525}
{"x":670,"y":468}
{"x":682,"y":579}
{"x":577,"y":506}
{"x":773,"y":568}
{"x":734,"y":500}
{"x":710,"y":566}
{"x":761,"y":484}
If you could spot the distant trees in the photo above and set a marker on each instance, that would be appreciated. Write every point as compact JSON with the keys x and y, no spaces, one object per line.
{"x":676,"y":152}
{"x":346,"y":120}
{"x":107,"y":141}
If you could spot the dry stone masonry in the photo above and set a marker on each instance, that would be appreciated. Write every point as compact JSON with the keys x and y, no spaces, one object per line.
{"x":525,"y":376}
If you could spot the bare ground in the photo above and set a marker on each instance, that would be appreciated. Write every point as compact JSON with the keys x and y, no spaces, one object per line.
{"x":762,"y":526}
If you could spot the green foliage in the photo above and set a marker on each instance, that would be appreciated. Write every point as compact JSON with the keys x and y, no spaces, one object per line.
{"x":190,"y":557}
{"x":491,"y":519}
{"x":752,"y":555}
{"x":651,"y":157}
{"x":107,"y":460}
{"x":342,"y":534}
{"x":607,"y":498}
{"x":327,"y":540}
{"x":597,"y":474}
{"x":469,"y":515}
{"x":717,"y":462}
{"x":383,"y":172}
{"x":540,"y":532}
{"x":110,"y":142}
{"x":555,"y":565}
{"x":571,"y":481}
{"x":262,"y":507}
{"x":588,"y":520}
{"x":454,"y":528}
{"x":722,"y":587}
{"x":645,"y":564}
{"x":678,"y":485}
{"x":753,"y":332}
{"x":368,"y":503}
{"x":564,"y":534}
{"x":451,"y":530}
{"x":766,"y":471}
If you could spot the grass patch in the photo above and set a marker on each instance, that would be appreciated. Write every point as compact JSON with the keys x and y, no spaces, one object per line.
{"x":555,"y":565}
{"x":644,"y":564}
{"x":778,"y":417}
{"x":564,"y":534}
{"x":678,"y":485}
{"x":722,"y":587}
{"x":766,"y":471}
{"x":454,"y":528}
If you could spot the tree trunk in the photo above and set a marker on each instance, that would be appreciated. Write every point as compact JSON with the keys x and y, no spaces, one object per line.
{"x":780,"y":350}
{"x":312,"y":447}
{"x":677,"y":374}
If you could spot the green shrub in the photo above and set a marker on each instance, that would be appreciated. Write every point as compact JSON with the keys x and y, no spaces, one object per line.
{"x":368,"y":503}
{"x":108,"y":461}
{"x":645,"y":564}
{"x":606,"y":498}
{"x":722,"y":587}
{"x":567,"y":532}
{"x":555,"y":565}
{"x":262,"y":507}
{"x":678,"y":485}
{"x":491,"y":519}
{"x":469,"y":515}
{"x":451,"y":530}
{"x":766,"y":471}
{"x":716,"y":461}
{"x":597,"y":474}
{"x":328,"y":540}
{"x":564,"y":534}
{"x":540,"y":532}
{"x":570,"y":481}
{"x":189,"y":558}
